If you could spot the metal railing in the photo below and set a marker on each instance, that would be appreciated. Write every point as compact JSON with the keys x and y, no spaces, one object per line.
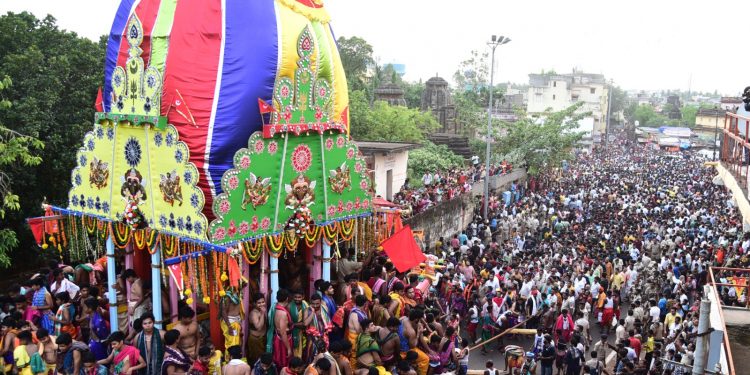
{"x":735,"y":148}
{"x":712,"y":282}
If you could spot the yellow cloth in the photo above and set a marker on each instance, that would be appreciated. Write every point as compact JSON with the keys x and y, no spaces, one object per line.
{"x":22,"y":359}
{"x":352,"y":337}
{"x":669,"y":320}
{"x":231,"y":339}
{"x":423,"y":361}
{"x":214,"y":364}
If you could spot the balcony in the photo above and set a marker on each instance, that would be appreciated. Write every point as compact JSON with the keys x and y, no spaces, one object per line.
{"x":735,"y":149}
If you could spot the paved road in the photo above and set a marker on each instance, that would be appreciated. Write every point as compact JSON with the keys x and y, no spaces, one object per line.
{"x":477,"y":359}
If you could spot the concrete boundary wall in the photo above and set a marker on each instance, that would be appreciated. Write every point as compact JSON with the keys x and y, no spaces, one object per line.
{"x":451,"y":217}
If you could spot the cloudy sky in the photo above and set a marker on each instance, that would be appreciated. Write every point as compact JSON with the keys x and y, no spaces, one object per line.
{"x":640,"y":44}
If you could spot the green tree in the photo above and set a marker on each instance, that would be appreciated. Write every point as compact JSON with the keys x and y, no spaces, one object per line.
{"x":542,"y":142}
{"x":15,"y":149}
{"x":431,"y":157}
{"x":689,"y":113}
{"x":413,"y":93}
{"x":356,"y":58}
{"x":55,"y":76}
{"x":383,"y":122}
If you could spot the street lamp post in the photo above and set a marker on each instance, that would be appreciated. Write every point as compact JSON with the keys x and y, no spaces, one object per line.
{"x":493,"y":44}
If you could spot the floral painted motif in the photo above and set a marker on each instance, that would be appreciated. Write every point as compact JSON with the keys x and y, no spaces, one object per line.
{"x":363,"y":184}
{"x":265,"y":223}
{"x":219,"y":234}
{"x":110,"y":133}
{"x":366,"y":204}
{"x":245,"y":162}
{"x":358,"y":167}
{"x":90,"y":144}
{"x":99,"y":132}
{"x":233,"y":182}
{"x":254,"y":225}
{"x":273,"y":147}
{"x":301,"y":158}
{"x":194,"y":200}
{"x":349,"y":206}
{"x":340,"y":142}
{"x":244,"y":228}
{"x":259,"y":146}
{"x":331,"y":210}
{"x":350,"y":153}
{"x":158,"y":139}
{"x":329,"y":144}
{"x":178,"y":155}
{"x":356,"y":204}
{"x":187,"y":177}
{"x":170,"y":139}
{"x":224,"y":206}
{"x":340,"y":208}
{"x":133,"y":152}
{"x":232,"y":230}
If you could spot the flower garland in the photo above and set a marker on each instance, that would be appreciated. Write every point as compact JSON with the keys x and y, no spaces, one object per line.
{"x":312,"y":235}
{"x":331,"y":232}
{"x":120,"y":235}
{"x":90,"y":223}
{"x":346,"y":229}
{"x":251,"y":250}
{"x":291,"y":239}
{"x":275,"y":244}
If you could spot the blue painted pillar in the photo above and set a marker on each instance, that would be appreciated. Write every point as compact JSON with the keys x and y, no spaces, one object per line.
{"x":156,"y":285}
{"x":111,"y":280}
{"x":274,"y":279}
{"x":326,"y":260}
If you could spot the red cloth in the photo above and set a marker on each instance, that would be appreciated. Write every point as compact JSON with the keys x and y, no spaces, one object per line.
{"x":403,"y":250}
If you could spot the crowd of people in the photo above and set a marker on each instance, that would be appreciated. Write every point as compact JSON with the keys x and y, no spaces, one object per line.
{"x":441,"y":186}
{"x":619,"y":242}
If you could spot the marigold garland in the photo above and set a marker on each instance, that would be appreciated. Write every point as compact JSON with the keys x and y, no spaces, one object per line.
{"x":291,"y":240}
{"x":251,"y":250}
{"x":312,"y":235}
{"x":275,"y":244}
{"x":346,"y":229}
{"x":139,"y":238}
{"x":90,"y":224}
{"x":331,"y":232}
{"x":120,"y":234}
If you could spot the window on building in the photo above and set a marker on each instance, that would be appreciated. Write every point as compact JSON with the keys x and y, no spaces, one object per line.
{"x":593,"y":90}
{"x":554,"y":83}
{"x":553,"y":97}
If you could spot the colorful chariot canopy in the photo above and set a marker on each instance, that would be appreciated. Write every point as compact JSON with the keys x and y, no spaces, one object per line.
{"x":236,"y":111}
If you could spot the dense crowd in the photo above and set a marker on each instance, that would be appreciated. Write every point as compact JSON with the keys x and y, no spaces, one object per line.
{"x":620,"y":241}
{"x":441,"y":186}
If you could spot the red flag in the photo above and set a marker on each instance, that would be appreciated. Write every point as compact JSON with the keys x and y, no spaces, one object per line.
{"x":264,"y":107}
{"x":345,"y":117}
{"x":179,"y":105}
{"x":99,"y":103}
{"x":176,"y":272}
{"x":403,"y":250}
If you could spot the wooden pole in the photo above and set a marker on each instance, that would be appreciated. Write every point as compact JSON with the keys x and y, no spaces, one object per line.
{"x":501,"y":334}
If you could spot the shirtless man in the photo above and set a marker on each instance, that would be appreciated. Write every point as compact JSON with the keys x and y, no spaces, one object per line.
{"x":256,"y":339}
{"x":339,"y":354}
{"x":150,"y":342}
{"x":356,"y":316}
{"x":236,"y":365}
{"x":136,"y":293}
{"x":389,"y":342}
{"x":281,"y":346}
{"x":231,"y":319}
{"x":368,"y":350}
{"x":49,"y":349}
{"x":411,"y":334}
{"x":189,"y":332}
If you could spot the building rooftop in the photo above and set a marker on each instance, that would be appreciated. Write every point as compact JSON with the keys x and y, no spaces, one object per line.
{"x":373,"y":147}
{"x":730,"y":100}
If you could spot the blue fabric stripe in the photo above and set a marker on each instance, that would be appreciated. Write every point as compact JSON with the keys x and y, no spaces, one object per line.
{"x":113,"y":48}
{"x":249,"y":72}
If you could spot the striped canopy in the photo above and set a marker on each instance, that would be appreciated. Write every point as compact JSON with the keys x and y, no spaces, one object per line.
{"x":217,"y":58}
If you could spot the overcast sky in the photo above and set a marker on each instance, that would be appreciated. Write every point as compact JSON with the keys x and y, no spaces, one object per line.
{"x":640,"y":44}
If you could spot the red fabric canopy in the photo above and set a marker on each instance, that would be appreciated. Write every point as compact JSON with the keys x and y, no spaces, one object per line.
{"x":378,"y":201}
{"x":403,"y":250}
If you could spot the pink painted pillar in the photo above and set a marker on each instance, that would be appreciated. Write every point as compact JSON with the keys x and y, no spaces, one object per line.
{"x":128,"y":265}
{"x":264,"y":274}
{"x":245,"y":302}
{"x":316,"y":272}
{"x":173,"y":298}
